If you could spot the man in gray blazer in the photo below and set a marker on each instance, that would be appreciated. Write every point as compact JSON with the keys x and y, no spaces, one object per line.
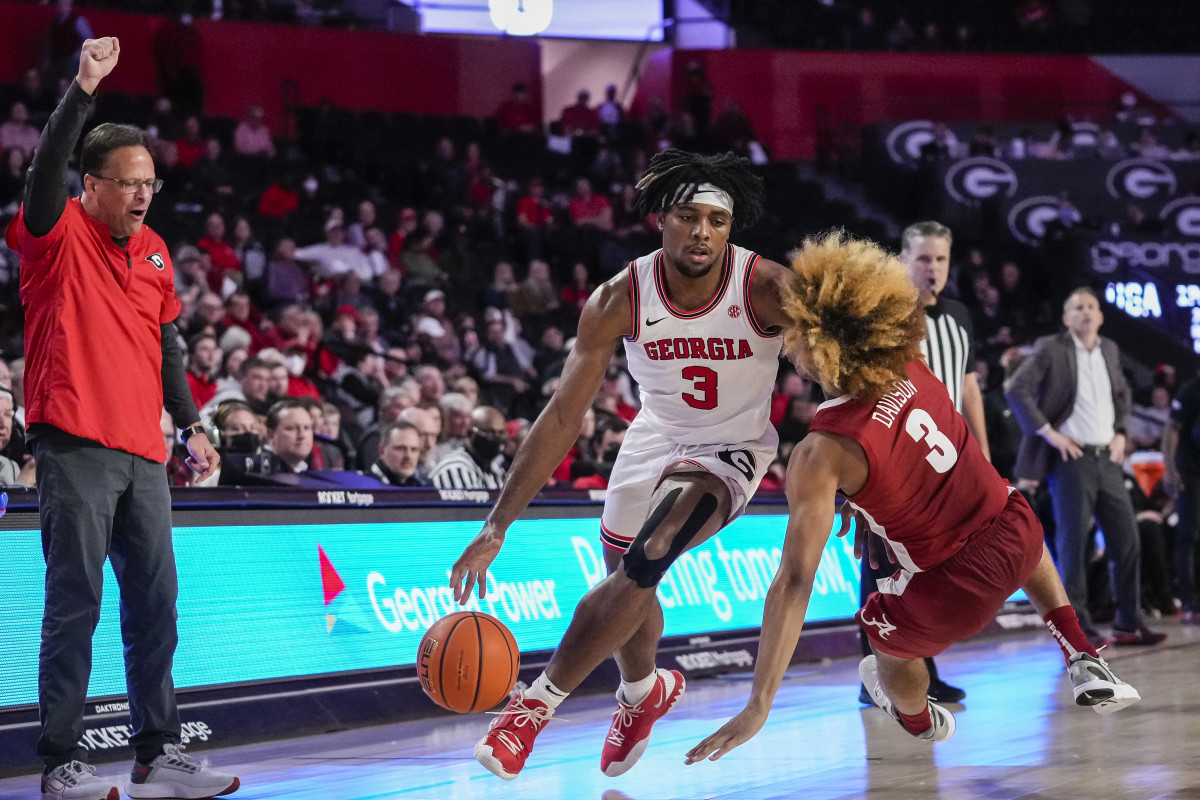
{"x":1072,"y":403}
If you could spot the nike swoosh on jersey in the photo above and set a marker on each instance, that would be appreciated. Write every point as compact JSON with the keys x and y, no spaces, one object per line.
{"x":655,"y":322}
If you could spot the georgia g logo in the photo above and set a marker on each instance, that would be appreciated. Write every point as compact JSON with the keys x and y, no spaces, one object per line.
{"x":157,"y":261}
{"x":1140,"y":179}
{"x":1027,"y":219}
{"x":904,"y":142}
{"x":979,"y":178}
{"x":1182,"y":215}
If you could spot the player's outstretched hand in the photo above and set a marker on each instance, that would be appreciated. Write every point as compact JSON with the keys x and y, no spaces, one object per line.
{"x":878,"y":551}
{"x":737,"y":731}
{"x":472,"y":566}
{"x":97,"y":58}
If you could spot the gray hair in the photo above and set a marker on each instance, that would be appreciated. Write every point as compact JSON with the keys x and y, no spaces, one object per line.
{"x":922,"y":230}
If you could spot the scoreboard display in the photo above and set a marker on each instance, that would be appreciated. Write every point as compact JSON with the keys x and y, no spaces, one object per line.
{"x":1173,"y":308}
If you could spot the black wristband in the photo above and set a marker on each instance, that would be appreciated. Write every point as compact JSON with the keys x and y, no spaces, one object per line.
{"x":190,"y":431}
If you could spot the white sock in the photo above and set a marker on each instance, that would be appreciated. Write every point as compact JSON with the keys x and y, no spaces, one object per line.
{"x":637,"y":691}
{"x":542,"y":689}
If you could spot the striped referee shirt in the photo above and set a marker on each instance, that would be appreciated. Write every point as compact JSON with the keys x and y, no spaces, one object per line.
{"x":457,"y":470}
{"x":949,"y":346}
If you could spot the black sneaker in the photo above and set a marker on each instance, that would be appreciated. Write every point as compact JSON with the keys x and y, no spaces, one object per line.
{"x":942,"y":692}
{"x":1142,"y":637}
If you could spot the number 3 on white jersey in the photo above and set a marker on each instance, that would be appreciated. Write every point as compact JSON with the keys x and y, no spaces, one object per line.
{"x":920,"y":425}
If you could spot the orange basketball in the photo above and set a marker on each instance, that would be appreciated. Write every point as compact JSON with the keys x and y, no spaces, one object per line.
{"x":468,"y":661}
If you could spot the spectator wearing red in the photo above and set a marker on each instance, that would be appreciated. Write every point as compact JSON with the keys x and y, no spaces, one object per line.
{"x":518,"y":113}
{"x":241,"y":313}
{"x":532,"y":210}
{"x":581,"y":119}
{"x":575,"y":294}
{"x":562,"y":473}
{"x":296,"y":360}
{"x":588,"y":208}
{"x":202,"y":363}
{"x":793,"y":386}
{"x":280,"y":199}
{"x":192,"y":146}
{"x":224,"y":259}
{"x":292,"y":328}
{"x":407,"y":223}
{"x":481,"y":189}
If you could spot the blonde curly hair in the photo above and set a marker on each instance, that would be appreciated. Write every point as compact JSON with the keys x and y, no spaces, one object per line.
{"x":854,"y":310}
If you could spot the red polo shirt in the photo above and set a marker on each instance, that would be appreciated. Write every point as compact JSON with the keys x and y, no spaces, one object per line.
{"x":93,"y":347}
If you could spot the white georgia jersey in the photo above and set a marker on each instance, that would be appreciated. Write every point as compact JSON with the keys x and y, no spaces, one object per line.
{"x":706,"y":376}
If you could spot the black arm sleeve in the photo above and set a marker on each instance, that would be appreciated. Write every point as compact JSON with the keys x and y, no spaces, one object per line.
{"x":177,"y":395}
{"x":46,"y":183}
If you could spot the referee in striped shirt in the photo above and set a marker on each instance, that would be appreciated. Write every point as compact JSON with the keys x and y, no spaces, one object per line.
{"x":949,"y":348}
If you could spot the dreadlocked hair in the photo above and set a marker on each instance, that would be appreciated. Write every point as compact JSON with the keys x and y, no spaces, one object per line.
{"x":852,"y":306}
{"x":674,"y":175}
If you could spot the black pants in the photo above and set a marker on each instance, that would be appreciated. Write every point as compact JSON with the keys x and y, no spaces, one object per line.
{"x":1184,"y":556}
{"x":96,"y":503}
{"x":1080,"y":489}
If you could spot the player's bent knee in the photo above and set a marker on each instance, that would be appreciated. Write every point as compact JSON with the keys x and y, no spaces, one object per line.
{"x":647,"y":569}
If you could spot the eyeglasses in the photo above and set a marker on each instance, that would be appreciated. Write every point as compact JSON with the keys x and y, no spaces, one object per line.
{"x":496,"y":436}
{"x":130,"y":187}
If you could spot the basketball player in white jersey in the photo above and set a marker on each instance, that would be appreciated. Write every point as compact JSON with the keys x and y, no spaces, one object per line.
{"x":699,"y":319}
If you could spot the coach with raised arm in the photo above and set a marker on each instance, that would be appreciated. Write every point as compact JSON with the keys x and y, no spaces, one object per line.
{"x":102,"y":361}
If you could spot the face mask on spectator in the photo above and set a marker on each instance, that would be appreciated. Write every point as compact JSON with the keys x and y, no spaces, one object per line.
{"x":243,"y":443}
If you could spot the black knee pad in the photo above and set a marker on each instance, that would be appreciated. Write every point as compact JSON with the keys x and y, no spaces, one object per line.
{"x":647,"y":572}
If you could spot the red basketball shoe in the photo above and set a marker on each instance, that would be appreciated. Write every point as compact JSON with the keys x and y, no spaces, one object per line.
{"x":630,"y":730}
{"x":509,"y":740}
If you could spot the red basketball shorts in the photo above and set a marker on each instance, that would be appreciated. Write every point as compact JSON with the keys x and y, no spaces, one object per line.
{"x":926,"y":612}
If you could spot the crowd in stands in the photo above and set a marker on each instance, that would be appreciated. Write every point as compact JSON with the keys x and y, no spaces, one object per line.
{"x":342,"y":301}
{"x":1039,"y":26}
{"x":1137,"y":134}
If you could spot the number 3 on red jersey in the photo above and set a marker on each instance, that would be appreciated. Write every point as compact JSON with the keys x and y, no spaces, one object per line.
{"x":942,"y":454}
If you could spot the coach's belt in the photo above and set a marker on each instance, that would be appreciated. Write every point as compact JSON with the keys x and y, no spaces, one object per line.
{"x":1098,"y":450}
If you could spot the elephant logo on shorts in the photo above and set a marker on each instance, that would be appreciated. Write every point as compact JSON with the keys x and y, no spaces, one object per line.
{"x":741,"y":460}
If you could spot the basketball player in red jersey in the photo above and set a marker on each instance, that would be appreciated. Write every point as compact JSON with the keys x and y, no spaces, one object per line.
{"x":700,"y":323}
{"x":888,"y":437}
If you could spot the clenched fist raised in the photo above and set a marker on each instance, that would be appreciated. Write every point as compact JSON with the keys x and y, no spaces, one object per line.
{"x":96,"y":60}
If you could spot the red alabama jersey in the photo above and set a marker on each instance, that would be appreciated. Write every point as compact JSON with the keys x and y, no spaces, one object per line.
{"x":930,"y":488}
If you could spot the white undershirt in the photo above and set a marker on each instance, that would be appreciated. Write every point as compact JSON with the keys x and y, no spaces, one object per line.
{"x":1094,"y":418}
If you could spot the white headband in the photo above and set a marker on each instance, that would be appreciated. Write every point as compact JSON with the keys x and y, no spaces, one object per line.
{"x":712,"y":195}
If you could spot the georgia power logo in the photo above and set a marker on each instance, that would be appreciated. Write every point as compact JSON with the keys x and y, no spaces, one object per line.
{"x":1182,"y":215}
{"x":342,"y":613}
{"x":1140,"y":179}
{"x":157,"y":260}
{"x":905,"y":141}
{"x":980,"y":178}
{"x":1027,"y":219}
